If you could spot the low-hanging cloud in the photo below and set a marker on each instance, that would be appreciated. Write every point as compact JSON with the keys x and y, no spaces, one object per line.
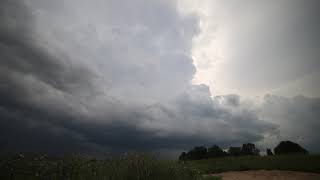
{"x":298,"y":118}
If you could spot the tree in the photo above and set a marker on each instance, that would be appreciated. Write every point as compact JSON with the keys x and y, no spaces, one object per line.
{"x":287,"y":147}
{"x":199,"y":152}
{"x":234,"y":151}
{"x":215,"y":151}
{"x":183,"y":156}
{"x":249,"y":149}
{"x":269,"y":152}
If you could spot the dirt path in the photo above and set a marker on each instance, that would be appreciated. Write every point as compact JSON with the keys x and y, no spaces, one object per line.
{"x":268,"y":175}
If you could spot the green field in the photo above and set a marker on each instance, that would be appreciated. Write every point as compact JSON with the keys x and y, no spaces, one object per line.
{"x":306,"y":163}
{"x":144,"y":167}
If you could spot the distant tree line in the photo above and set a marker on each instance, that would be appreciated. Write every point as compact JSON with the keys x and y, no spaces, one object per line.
{"x":202,"y":152}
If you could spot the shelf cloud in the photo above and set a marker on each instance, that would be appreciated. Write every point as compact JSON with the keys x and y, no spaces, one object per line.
{"x":116,"y":76}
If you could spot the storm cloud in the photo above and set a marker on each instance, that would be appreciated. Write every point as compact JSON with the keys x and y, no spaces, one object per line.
{"x":111,"y":76}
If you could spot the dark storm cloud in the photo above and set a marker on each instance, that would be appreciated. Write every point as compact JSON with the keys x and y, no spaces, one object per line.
{"x":104,"y":81}
{"x":27,"y":74}
{"x":21,"y":56}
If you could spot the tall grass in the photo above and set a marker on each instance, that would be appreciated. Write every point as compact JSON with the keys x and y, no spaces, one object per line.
{"x":76,"y":167}
{"x":143,"y":167}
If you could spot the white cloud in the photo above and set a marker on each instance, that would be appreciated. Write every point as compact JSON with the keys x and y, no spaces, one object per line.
{"x":255,"y":47}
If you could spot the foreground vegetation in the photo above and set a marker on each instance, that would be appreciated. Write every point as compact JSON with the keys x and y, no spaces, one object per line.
{"x":144,"y":167}
{"x":77,"y":167}
{"x":292,"y":162}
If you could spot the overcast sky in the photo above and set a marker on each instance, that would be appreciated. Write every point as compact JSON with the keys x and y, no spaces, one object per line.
{"x":101,"y":76}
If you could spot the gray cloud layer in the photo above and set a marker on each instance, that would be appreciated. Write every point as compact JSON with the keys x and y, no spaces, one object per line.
{"x":298,"y":118}
{"x":97,"y":76}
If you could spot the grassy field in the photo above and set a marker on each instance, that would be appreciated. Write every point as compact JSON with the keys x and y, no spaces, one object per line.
{"x":306,"y":163}
{"x":143,"y":167}
{"x":76,"y":167}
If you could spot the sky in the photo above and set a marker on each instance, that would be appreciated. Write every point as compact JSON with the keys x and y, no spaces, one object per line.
{"x":110,"y":76}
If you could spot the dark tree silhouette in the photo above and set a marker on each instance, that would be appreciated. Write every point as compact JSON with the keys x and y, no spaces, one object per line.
{"x":249,"y":149}
{"x":269,"y":152}
{"x":216,"y":151}
{"x":234,"y":151}
{"x":201,"y":152}
{"x":287,"y":147}
{"x":196,"y":153}
{"x":183,"y":156}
